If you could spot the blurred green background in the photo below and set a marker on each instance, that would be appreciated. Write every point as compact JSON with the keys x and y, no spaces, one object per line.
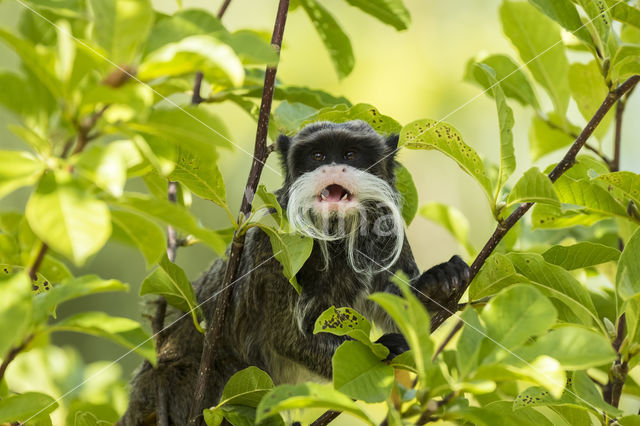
{"x":407,"y":75}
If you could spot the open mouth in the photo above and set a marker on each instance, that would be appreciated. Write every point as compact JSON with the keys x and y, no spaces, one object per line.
{"x":334,"y":193}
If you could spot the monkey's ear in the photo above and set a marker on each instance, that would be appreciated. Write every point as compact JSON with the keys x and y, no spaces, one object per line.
{"x":282,"y":144}
{"x":392,"y":141}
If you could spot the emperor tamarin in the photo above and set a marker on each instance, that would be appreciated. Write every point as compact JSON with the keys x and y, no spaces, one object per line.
{"x":340,"y":190}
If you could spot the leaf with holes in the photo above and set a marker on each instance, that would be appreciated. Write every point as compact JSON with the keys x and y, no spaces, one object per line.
{"x":430,"y":134}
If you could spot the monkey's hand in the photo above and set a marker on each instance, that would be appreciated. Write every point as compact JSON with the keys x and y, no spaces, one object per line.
{"x":396,"y":344}
{"x":442,"y":284}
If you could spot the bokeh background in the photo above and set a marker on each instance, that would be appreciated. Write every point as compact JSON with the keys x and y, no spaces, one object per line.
{"x":407,"y":75}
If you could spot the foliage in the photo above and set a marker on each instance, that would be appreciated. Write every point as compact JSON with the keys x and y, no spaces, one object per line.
{"x":101,"y":96}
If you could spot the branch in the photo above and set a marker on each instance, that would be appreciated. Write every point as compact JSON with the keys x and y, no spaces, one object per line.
{"x":612,"y":391}
{"x":223,"y":8}
{"x":260,"y":153}
{"x":326,"y":418}
{"x":12,"y":354}
{"x":567,"y":161}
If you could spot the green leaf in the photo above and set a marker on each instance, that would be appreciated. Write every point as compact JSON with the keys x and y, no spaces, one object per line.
{"x":469,"y":343}
{"x":505,"y":120}
{"x":12,"y":96}
{"x":139,"y":232}
{"x":18,"y":408}
{"x":106,"y":167}
{"x":204,"y":53}
{"x":65,"y":215}
{"x":413,"y":321}
{"x":182,"y":24}
{"x":40,"y":62}
{"x":430,"y":134}
{"x":288,"y":117}
{"x":246,"y":387}
{"x":332,"y":35}
{"x":539,"y":44}
{"x":174,"y":215}
{"x":195,"y":129}
{"x":307,"y":395}
{"x":589,"y":194}
{"x":589,"y":394}
{"x":565,"y":14}
{"x":73,"y":288}
{"x":359,"y":373}
{"x":450,"y":219}
{"x":538,"y":397}
{"x":628,"y":275}
{"x":17,"y":169}
{"x":170,"y":281}
{"x":123,"y":331}
{"x":348,"y":322}
{"x":545,"y":138}
{"x":201,"y":175}
{"x":514,"y":82}
{"x":251,"y":47}
{"x":534,"y":267}
{"x":547,"y":216}
{"x":598,"y":19}
{"x":408,"y":192}
{"x":121,"y":26}
{"x":580,"y":255}
{"x":497,"y":273}
{"x":533,"y":187}
{"x":515,"y":315}
{"x":314,"y":98}
{"x":623,"y":12}
{"x":15,"y":310}
{"x":290,"y":249}
{"x":574,"y":347}
{"x":631,"y":308}
{"x":588,"y":89}
{"x":38,"y":142}
{"x":391,"y":12}
{"x":627,"y":183}
{"x":382,"y":124}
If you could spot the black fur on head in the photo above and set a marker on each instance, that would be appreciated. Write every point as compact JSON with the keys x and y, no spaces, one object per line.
{"x":335,"y":141}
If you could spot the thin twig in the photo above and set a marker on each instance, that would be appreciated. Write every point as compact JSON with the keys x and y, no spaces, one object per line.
{"x":612,"y":391}
{"x":214,"y":331}
{"x":599,"y":154}
{"x":326,"y":418}
{"x":196,"y":98}
{"x":33,"y":269}
{"x":85,"y":127}
{"x":435,"y":406}
{"x":223,"y":8}
{"x":447,"y":339}
{"x":13,"y":352}
{"x":567,"y":161}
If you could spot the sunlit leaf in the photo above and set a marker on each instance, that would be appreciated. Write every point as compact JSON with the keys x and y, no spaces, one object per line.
{"x":580,"y":255}
{"x":627,"y":182}
{"x":505,"y":121}
{"x":513,"y":80}
{"x":15,"y":310}
{"x":588,"y":89}
{"x":307,"y":395}
{"x":391,"y":12}
{"x":382,"y":124}
{"x":598,"y":18}
{"x":17,"y":169}
{"x":21,"y":407}
{"x":545,"y":138}
{"x":565,"y":14}
{"x":123,"y":331}
{"x":628,"y":275}
{"x":497,"y":273}
{"x":67,"y":217}
{"x":469,"y":343}
{"x":120,"y":26}
{"x":357,"y":372}
{"x":200,"y":174}
{"x":170,"y":281}
{"x":539,"y":44}
{"x":533,"y":187}
{"x":430,"y":134}
{"x":139,"y":232}
{"x":348,"y":322}
{"x":408,"y":192}
{"x":246,"y":387}
{"x":332,"y":35}
{"x":589,"y":395}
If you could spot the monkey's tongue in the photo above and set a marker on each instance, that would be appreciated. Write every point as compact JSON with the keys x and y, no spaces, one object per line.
{"x":334,"y":193}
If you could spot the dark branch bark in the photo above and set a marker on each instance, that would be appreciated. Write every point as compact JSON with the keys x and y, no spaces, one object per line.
{"x":612,"y":391}
{"x":260,"y":153}
{"x":326,"y":418}
{"x":223,"y":8}
{"x":33,"y":269}
{"x":13,"y":352}
{"x":567,"y":161}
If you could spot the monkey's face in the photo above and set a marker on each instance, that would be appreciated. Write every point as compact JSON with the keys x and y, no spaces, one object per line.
{"x":340,"y":184}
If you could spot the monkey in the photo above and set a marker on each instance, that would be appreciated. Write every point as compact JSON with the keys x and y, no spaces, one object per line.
{"x":339,"y":189}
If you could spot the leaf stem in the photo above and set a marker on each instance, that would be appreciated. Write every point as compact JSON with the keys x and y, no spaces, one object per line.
{"x":565,"y":164}
{"x":212,"y":337}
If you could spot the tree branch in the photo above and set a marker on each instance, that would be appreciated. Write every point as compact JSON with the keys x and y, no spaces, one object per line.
{"x":567,"y":161}
{"x":326,"y":418}
{"x":12,"y":354}
{"x":223,"y":8}
{"x":260,"y":153}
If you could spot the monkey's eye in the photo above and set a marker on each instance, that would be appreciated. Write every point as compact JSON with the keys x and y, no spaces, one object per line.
{"x":318,"y":156}
{"x":349,"y":155}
